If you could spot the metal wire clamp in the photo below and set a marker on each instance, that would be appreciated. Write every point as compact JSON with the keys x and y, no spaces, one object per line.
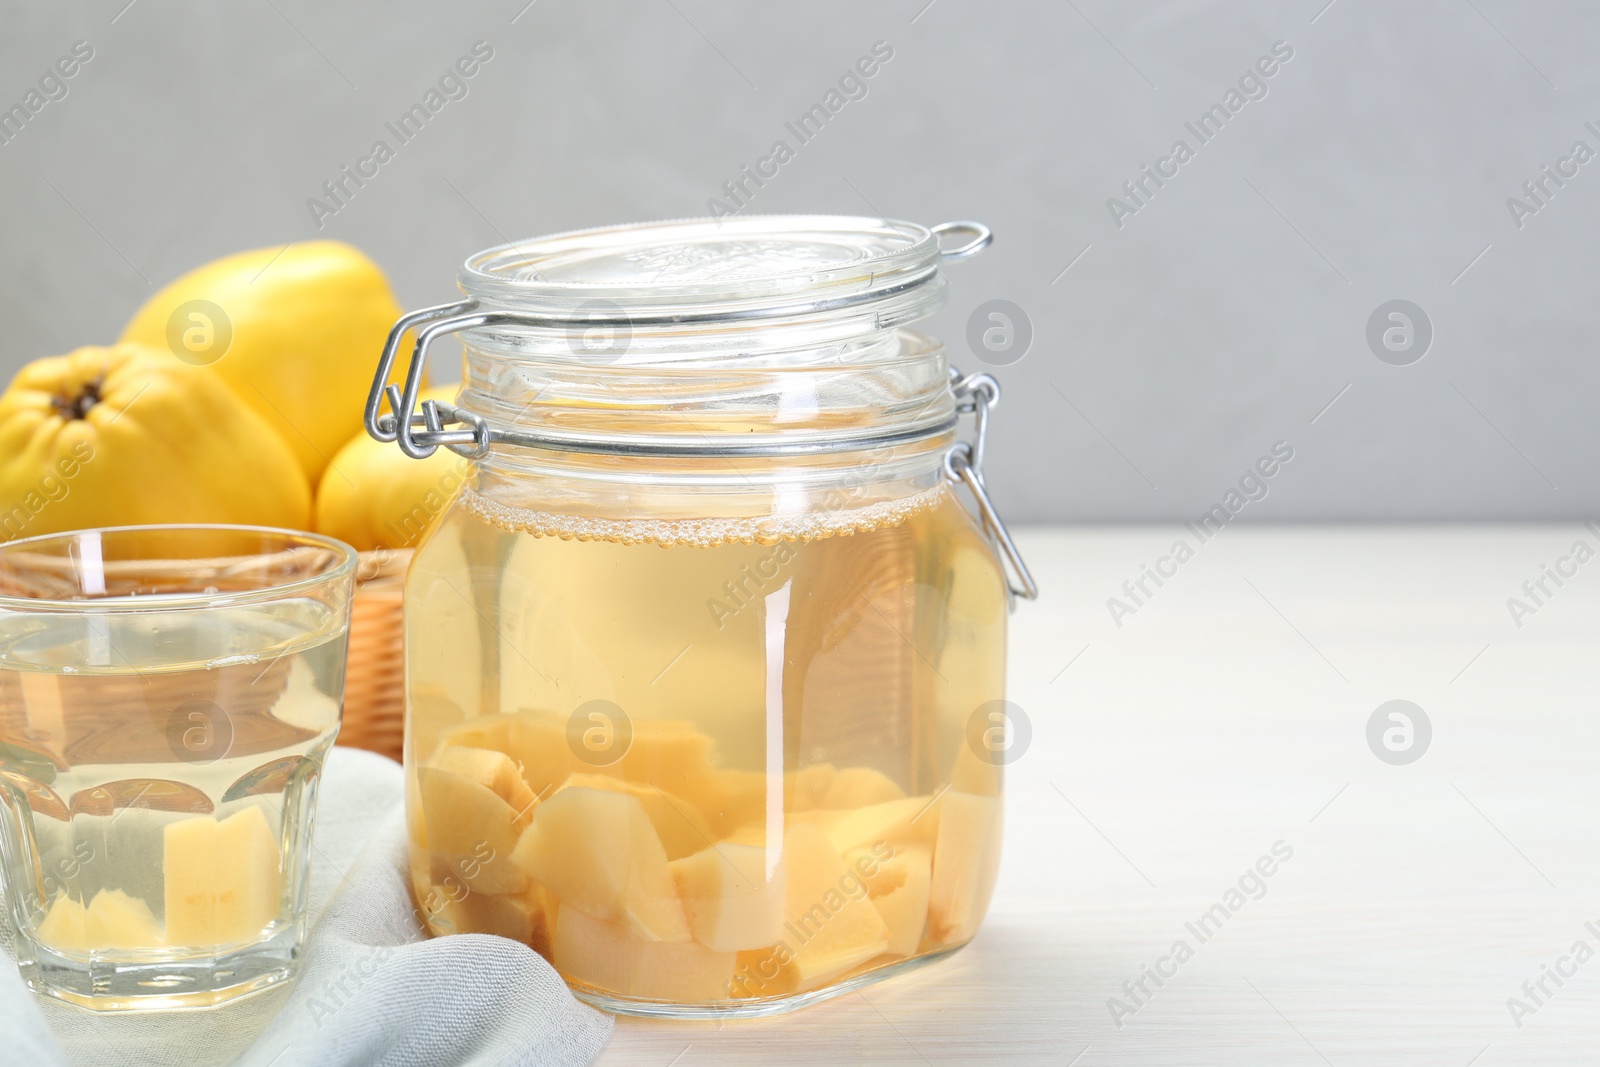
{"x":976,"y":394}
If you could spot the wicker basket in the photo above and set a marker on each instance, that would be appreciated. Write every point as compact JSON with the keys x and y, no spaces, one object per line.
{"x":374,"y":681}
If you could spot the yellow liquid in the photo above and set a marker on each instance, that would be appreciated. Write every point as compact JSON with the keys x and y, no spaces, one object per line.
{"x":744,"y":692}
{"x":156,"y":777}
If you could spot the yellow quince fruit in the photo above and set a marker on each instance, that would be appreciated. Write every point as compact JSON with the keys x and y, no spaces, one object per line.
{"x":295,"y":331}
{"x":375,"y":496}
{"x":125,"y":436}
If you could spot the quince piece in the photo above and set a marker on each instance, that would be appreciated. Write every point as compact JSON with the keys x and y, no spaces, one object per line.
{"x":116,"y":920}
{"x":247,"y":884}
{"x":493,"y":770}
{"x":878,"y":866}
{"x":974,"y":774}
{"x":543,"y":905}
{"x":222,"y":881}
{"x":805,"y":789}
{"x":764,"y":972}
{"x":729,"y":798}
{"x":966,"y":860}
{"x":751,"y":833}
{"x":537,"y":741}
{"x":856,"y":787}
{"x":677,"y":822}
{"x":609,"y":958}
{"x":670,"y":754}
{"x":900,"y":890}
{"x":830,"y":925}
{"x":487,"y":731}
{"x":472,"y":832}
{"x":521,"y":918}
{"x":907,"y":820}
{"x":731,"y":902}
{"x":188,"y":867}
{"x":597,"y":850}
{"x":63,"y":926}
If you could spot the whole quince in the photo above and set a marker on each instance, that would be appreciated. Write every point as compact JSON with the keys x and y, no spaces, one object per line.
{"x":125,"y":436}
{"x":295,"y":331}
{"x":375,"y":496}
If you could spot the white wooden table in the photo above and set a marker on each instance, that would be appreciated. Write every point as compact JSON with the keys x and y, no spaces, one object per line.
{"x":1230,"y":713}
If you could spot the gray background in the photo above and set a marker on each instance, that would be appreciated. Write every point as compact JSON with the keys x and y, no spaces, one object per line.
{"x":1223,"y":317}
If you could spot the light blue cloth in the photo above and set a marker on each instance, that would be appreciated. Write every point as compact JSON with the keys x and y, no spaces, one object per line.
{"x":372,"y":989}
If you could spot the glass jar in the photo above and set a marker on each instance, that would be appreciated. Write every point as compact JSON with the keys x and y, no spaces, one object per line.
{"x":704,"y":660}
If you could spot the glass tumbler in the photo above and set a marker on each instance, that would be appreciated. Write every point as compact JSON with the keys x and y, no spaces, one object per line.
{"x":167,"y":697}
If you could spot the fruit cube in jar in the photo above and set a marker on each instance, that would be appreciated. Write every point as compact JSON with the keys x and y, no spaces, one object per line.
{"x":856,"y":787}
{"x":597,"y":851}
{"x":606,"y":956}
{"x":832,"y":925}
{"x":471,"y":832}
{"x":494,"y":771}
{"x":901,"y":891}
{"x":733,"y":895}
{"x":634,"y":892}
{"x":965,"y":860}
{"x":678,"y":823}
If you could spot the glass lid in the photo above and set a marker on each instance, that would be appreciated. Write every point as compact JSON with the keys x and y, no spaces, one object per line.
{"x":688,"y":268}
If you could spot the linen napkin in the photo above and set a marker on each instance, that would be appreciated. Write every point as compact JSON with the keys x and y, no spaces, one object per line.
{"x":372,"y":989}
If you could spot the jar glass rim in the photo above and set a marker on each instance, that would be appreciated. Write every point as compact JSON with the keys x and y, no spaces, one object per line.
{"x":706,"y":268}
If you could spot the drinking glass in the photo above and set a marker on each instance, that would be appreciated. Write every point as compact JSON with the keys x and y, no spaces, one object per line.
{"x":167,"y":697}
